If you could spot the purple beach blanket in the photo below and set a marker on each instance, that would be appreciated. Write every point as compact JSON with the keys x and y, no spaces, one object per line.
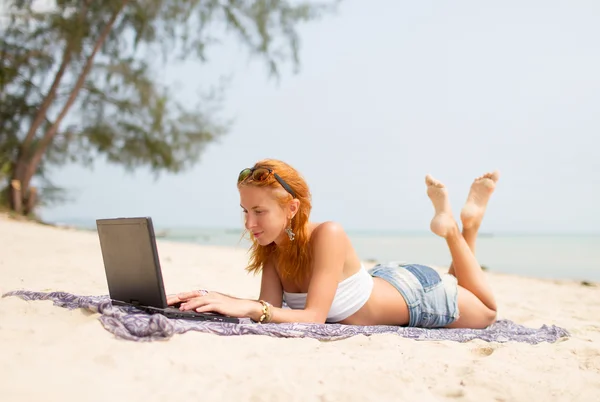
{"x":135,"y":325}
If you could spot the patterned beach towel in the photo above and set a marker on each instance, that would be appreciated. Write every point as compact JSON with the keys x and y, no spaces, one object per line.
{"x":135,"y":325}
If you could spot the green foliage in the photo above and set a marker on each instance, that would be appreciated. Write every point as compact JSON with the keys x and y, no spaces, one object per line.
{"x":75,"y":80}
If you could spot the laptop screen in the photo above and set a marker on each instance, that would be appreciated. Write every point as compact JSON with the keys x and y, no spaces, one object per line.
{"x":131,"y":261}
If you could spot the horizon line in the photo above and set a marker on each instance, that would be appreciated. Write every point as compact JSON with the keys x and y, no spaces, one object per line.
{"x":79,"y":223}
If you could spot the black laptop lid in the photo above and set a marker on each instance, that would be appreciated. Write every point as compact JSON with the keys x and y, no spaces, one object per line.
{"x":131,"y":261}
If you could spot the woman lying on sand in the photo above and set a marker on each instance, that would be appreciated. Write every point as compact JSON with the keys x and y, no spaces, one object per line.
{"x":315,"y":270}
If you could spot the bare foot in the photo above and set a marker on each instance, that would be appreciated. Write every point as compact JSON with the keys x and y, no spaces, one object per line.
{"x":479,"y":195}
{"x":443,"y":222}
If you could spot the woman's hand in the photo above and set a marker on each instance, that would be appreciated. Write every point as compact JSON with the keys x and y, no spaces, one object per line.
{"x":220,"y":303}
{"x":180,"y":298}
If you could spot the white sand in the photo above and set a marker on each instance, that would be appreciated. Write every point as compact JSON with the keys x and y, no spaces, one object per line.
{"x":50,"y":353}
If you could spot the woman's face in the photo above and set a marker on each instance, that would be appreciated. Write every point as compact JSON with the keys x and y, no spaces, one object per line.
{"x":263,"y":215}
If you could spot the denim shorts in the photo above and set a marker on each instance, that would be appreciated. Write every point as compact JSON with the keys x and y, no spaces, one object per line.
{"x":432,"y":298}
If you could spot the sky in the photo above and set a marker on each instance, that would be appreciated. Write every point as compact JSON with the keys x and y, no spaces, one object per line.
{"x":387,"y":92}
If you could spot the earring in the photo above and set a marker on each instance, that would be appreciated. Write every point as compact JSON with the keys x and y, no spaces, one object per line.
{"x":289,"y":232}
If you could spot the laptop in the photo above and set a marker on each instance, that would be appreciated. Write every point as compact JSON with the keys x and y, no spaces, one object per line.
{"x":133,"y":269}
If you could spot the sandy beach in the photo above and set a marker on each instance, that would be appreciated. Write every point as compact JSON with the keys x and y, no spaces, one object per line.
{"x":52,"y":353}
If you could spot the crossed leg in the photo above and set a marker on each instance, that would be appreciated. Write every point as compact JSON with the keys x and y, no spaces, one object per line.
{"x":475,"y":297}
{"x":472,"y":213}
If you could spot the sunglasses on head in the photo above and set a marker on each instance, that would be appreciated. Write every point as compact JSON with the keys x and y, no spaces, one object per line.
{"x":261,"y":174}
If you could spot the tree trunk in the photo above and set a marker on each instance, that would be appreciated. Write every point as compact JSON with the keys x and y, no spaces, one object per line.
{"x":30,"y":201}
{"x":26,"y":166}
{"x":51,"y":95}
{"x":16,"y":198}
{"x":41,"y":113}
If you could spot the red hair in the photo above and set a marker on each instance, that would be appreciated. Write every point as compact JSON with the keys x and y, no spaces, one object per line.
{"x":292,"y":260}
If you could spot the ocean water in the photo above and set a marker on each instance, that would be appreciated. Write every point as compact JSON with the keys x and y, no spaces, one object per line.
{"x":574,"y":257}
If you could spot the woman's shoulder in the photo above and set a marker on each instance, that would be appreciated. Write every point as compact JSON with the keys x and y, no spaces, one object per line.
{"x":327,"y":231}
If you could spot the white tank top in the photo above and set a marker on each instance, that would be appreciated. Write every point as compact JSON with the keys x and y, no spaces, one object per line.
{"x":352,"y":293}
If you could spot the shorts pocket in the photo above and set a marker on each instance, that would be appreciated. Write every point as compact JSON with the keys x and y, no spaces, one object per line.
{"x":427,"y":276}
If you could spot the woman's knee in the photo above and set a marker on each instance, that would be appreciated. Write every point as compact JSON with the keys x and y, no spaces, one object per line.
{"x":473,"y":313}
{"x":474,"y":319}
{"x":490,"y":316}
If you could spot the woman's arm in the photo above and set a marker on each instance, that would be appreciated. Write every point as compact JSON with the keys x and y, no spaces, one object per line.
{"x":329,"y":253}
{"x":271,"y":289}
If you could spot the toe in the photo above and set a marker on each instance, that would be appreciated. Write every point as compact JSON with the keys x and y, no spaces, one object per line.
{"x":495,"y":175}
{"x":433,"y":182}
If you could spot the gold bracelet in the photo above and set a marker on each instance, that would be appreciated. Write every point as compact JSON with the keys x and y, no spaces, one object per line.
{"x":266,"y":312}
